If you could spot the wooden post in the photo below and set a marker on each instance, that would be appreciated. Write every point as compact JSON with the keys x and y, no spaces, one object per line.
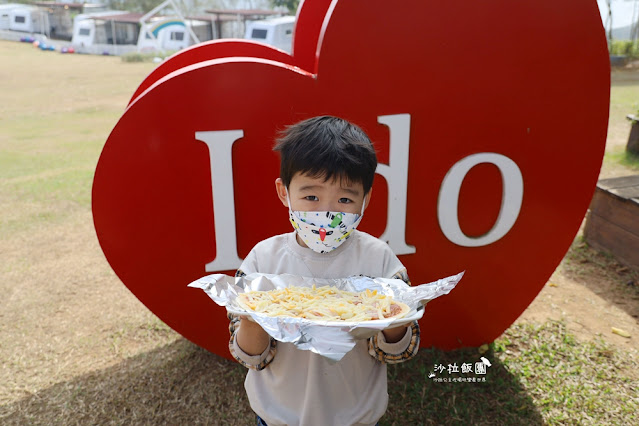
{"x":633,"y":138}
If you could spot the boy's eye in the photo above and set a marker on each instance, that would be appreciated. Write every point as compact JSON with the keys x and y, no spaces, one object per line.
{"x":345,"y":200}
{"x":311,"y":198}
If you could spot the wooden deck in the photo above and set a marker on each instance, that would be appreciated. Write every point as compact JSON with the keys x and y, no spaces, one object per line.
{"x":612,"y":223}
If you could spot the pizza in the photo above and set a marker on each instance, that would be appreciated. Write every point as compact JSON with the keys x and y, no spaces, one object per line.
{"x":326,"y":303}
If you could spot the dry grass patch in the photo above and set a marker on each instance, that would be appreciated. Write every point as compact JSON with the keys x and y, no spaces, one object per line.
{"x":175,"y":384}
{"x":35,"y":84}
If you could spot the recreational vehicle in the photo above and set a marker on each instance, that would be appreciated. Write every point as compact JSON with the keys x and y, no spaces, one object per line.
{"x":61,"y":15}
{"x":5,"y":10}
{"x":164,"y":34}
{"x":23,"y":18}
{"x":118,"y":33}
{"x":113,"y":34}
{"x":84,"y":27}
{"x":277,"y":32}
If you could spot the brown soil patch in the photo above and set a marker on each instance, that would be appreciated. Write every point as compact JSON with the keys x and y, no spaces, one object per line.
{"x":591,"y":293}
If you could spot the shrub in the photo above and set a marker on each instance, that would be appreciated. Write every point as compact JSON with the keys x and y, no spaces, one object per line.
{"x":145,"y":57}
{"x":628,"y":48}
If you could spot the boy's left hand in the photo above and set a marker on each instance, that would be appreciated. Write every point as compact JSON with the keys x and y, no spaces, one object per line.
{"x":394,"y":335}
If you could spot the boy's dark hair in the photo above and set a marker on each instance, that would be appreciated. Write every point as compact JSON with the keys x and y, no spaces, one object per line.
{"x":328,"y":147}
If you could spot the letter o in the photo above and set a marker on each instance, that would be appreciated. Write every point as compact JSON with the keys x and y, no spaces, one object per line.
{"x":447,"y":206}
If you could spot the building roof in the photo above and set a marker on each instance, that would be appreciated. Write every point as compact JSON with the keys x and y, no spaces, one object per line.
{"x":16,"y":6}
{"x":243,"y":12}
{"x":215,"y":14}
{"x":59,"y":5}
{"x":131,"y":18}
{"x":279,"y":20}
{"x":124,"y":17}
{"x":209,"y":18}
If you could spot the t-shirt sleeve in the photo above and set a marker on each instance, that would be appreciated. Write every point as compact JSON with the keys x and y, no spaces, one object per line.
{"x":249,"y":264}
{"x":392,"y":266}
{"x":256,"y":362}
{"x":407,"y":347}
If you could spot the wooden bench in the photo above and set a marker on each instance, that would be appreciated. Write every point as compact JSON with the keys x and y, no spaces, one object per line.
{"x":612,"y":223}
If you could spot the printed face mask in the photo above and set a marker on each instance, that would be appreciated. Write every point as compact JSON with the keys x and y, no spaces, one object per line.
{"x":324,"y":231}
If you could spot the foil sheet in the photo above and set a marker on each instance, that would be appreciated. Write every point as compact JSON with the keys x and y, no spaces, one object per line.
{"x":331,"y":339}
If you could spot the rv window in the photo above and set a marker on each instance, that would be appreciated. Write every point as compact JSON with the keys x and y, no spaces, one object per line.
{"x":85,"y":31}
{"x":257,"y":33}
{"x":20,"y":19}
{"x":179,"y":36}
{"x":289,"y":32}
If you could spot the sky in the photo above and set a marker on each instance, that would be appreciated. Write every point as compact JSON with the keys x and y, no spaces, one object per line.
{"x":623,"y":12}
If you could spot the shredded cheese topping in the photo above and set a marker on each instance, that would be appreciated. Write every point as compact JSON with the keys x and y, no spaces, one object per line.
{"x":325,"y":303}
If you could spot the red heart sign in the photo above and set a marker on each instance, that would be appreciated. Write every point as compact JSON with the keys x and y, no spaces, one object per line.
{"x":490,"y":133}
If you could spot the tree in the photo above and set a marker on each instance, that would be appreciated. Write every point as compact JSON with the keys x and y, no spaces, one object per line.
{"x":134,"y":5}
{"x":608,"y":23}
{"x":291,"y":5}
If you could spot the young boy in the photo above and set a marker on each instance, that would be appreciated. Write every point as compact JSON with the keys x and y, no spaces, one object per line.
{"x":326,"y":175}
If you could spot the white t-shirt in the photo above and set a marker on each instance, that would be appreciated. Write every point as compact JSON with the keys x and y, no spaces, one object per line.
{"x":300,"y":387}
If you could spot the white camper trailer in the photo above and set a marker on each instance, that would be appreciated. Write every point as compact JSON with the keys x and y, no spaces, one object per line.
{"x":126,"y":32}
{"x":84,"y":27}
{"x":23,"y":18}
{"x":163,"y":34}
{"x":277,"y":32}
{"x":83,"y":32}
{"x":5,"y":10}
{"x":113,"y":34}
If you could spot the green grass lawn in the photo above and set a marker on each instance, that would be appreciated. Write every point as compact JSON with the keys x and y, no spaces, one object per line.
{"x":624,"y":100}
{"x":540,"y":374}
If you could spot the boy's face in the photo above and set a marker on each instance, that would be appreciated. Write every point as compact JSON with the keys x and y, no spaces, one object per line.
{"x":314,"y":194}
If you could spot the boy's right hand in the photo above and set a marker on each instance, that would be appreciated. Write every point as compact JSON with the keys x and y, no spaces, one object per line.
{"x":251,"y":337}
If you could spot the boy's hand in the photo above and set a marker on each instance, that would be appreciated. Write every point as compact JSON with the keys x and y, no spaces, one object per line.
{"x":394,"y":335}
{"x":252,"y":338}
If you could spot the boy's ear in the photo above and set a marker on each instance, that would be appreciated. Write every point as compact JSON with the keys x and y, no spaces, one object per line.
{"x":367,"y":198}
{"x":281,"y":191}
